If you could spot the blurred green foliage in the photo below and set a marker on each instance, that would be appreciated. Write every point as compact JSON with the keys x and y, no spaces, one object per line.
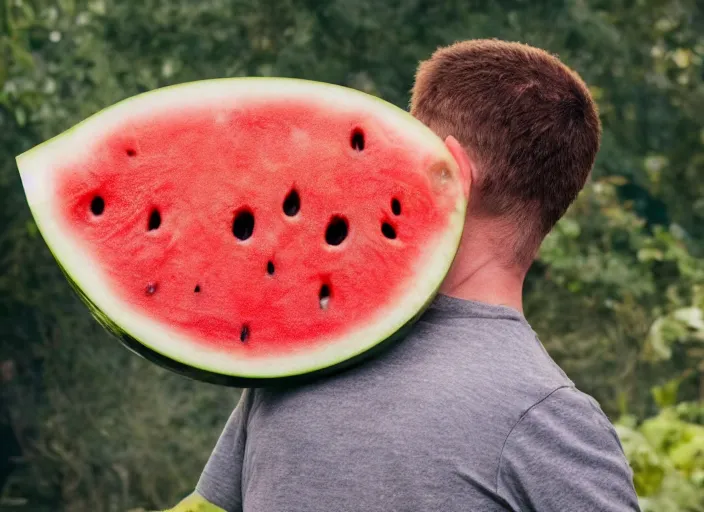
{"x":666,"y":453}
{"x":617,"y":294}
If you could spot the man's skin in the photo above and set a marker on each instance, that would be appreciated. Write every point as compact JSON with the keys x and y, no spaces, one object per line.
{"x":481,"y":272}
{"x":484,"y":269}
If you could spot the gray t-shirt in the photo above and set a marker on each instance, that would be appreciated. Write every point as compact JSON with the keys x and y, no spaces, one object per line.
{"x":468,"y":413}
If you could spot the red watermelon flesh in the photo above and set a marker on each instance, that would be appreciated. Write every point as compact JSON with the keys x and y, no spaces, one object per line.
{"x":250,"y":228}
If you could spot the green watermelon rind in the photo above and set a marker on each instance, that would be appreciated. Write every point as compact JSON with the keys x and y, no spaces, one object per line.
{"x":440,"y":261}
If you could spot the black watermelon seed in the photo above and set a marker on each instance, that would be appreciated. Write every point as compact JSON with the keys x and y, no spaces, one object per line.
{"x":336,"y":232}
{"x":395,"y":206}
{"x":292,"y":203}
{"x":357,"y":139}
{"x":243,"y":225}
{"x":154,"y":220}
{"x":97,"y":205}
{"x":324,"y":296}
{"x":388,"y":231}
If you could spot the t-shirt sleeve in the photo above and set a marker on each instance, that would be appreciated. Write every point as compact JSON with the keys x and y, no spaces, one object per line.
{"x":220,"y":482}
{"x":564,"y":454}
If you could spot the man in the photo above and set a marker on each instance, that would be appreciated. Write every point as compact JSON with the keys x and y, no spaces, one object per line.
{"x":468,"y":413}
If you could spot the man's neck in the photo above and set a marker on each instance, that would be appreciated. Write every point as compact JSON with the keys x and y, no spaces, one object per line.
{"x":477,"y":274}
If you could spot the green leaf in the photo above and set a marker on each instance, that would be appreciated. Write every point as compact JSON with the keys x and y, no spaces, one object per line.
{"x":692,"y":317}
{"x":20,"y":116}
{"x":666,"y":395}
{"x":650,"y":254}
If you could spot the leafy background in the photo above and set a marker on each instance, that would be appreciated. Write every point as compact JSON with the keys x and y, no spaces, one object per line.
{"x":617,"y":294}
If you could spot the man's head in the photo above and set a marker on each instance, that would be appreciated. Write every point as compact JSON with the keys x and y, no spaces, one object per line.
{"x":528,"y":124}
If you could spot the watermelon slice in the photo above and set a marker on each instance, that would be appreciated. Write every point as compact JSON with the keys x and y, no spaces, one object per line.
{"x":245,"y":231}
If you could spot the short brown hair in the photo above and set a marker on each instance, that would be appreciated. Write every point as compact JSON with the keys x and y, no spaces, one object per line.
{"x":526,"y":119}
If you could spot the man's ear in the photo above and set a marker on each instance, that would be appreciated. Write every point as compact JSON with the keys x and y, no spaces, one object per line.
{"x":467,"y":168}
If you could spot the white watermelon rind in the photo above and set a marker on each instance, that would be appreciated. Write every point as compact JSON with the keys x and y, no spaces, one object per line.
{"x":36,"y":169}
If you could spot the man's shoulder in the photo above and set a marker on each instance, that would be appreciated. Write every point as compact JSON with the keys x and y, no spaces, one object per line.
{"x":497,"y":368}
{"x":503,"y":357}
{"x":565,"y":407}
{"x":564,"y":453}
{"x":558,"y":423}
